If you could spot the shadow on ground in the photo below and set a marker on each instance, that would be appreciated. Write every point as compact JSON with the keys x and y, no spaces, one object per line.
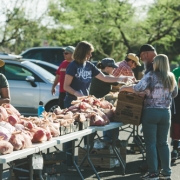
{"x":132,"y":173}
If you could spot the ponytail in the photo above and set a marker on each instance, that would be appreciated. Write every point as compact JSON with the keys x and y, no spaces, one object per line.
{"x":100,"y":66}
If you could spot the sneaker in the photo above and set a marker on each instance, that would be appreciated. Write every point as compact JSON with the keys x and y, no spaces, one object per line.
{"x":174,"y":156}
{"x":161,"y":176}
{"x":150,"y":176}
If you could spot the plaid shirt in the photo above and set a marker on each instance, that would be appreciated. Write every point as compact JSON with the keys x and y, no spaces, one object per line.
{"x":124,"y":70}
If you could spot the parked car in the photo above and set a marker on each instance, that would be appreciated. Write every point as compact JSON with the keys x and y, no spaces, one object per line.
{"x":52,"y":55}
{"x":45,"y":65}
{"x":29,"y":84}
{"x":9,"y":56}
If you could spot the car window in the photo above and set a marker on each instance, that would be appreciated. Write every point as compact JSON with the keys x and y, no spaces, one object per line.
{"x":19,"y":73}
{"x":42,"y":72}
{"x":47,"y":68}
{"x":57,"y":56}
{"x":35,"y":53}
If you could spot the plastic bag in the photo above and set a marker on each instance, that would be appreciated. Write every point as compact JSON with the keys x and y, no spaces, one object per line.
{"x":5,"y":134}
{"x":8,"y":126}
{"x":99,"y":144}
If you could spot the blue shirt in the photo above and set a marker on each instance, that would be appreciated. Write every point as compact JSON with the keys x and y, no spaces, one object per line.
{"x":82,"y":75}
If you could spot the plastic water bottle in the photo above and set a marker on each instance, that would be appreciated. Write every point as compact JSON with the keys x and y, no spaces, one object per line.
{"x":40,"y":109}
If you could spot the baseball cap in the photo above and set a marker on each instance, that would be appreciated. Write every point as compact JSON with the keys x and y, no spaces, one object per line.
{"x":2,"y":63}
{"x":69,"y":49}
{"x":109,"y":62}
{"x":134,"y":57}
{"x":146,"y":47}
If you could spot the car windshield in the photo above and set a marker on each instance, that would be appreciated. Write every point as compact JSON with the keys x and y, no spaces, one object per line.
{"x":48,"y":76}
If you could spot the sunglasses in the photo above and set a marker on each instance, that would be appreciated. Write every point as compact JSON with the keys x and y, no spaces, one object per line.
{"x":66,"y":53}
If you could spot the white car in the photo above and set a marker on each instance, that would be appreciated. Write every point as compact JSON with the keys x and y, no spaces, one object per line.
{"x":29,"y":84}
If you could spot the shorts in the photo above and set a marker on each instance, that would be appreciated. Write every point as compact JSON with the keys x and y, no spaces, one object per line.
{"x":175,"y":131}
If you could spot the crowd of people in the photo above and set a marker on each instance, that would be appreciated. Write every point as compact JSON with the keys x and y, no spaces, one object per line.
{"x":79,"y":77}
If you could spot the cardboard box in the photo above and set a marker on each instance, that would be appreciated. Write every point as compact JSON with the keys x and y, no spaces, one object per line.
{"x":129,"y":108}
{"x":98,"y":160}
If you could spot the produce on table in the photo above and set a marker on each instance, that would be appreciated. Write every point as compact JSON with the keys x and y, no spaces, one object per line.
{"x":5,"y":134}
{"x":98,"y":111}
{"x":3,"y":114}
{"x":112,"y":98}
{"x":18,"y":132}
{"x":5,"y":147}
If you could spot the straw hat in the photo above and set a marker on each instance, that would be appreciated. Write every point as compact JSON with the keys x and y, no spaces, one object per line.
{"x":134,"y":57}
{"x":2,"y":63}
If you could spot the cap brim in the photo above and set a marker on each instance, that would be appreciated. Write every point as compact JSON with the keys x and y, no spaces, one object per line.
{"x":115,"y":66}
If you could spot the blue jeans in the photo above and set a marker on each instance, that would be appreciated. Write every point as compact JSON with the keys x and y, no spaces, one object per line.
{"x":68,"y":99}
{"x":107,"y":135}
{"x":67,"y":147}
{"x":156,"y":124}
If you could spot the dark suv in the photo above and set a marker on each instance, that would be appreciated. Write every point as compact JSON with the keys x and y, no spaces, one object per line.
{"x":52,"y":55}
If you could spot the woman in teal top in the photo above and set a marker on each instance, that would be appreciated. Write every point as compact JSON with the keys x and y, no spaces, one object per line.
{"x":100,"y":88}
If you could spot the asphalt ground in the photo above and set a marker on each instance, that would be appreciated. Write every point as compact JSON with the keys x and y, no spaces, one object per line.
{"x":133,"y":161}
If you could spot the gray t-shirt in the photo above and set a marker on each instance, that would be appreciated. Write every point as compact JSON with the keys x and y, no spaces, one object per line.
{"x":3,"y":81}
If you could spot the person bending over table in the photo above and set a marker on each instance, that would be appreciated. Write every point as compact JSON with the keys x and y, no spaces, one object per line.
{"x":100,"y":88}
{"x":4,"y":86}
{"x":126,"y":67}
{"x":160,"y":87}
{"x":78,"y":77}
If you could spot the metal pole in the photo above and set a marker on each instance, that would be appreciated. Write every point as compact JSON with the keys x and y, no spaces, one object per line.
{"x":89,"y":160}
{"x":1,"y":171}
{"x":30,"y":168}
{"x":74,"y":162}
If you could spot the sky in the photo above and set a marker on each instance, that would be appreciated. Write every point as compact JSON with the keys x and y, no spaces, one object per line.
{"x":42,"y":4}
{"x":35,"y":8}
{"x":139,"y":3}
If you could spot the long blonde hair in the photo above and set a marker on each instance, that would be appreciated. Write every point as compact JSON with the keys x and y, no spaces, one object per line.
{"x":161,"y":65}
{"x":81,"y":51}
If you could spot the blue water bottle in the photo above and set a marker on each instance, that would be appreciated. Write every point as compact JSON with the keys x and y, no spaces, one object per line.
{"x":40,"y":109}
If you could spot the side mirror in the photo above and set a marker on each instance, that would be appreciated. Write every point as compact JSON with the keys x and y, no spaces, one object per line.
{"x":31,"y":80}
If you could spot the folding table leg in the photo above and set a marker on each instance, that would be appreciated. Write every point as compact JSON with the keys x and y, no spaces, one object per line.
{"x":118,"y":155}
{"x":74,"y":162}
{"x":120,"y":159}
{"x":82,"y":162}
{"x":1,"y":171}
{"x":89,"y":160}
{"x":30,"y":168}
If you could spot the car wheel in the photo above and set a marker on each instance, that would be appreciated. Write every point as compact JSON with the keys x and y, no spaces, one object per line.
{"x":51,"y":106}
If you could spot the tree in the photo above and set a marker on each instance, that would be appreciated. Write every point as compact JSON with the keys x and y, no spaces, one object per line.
{"x":112,"y":26}
{"x":102,"y":22}
{"x":18,"y":28}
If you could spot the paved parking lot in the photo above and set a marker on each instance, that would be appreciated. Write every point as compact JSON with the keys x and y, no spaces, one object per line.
{"x":132,"y":173}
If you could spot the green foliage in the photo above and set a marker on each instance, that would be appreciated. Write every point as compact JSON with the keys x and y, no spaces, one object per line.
{"x":114,"y":27}
{"x":101,"y":22}
{"x":17,"y":30}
